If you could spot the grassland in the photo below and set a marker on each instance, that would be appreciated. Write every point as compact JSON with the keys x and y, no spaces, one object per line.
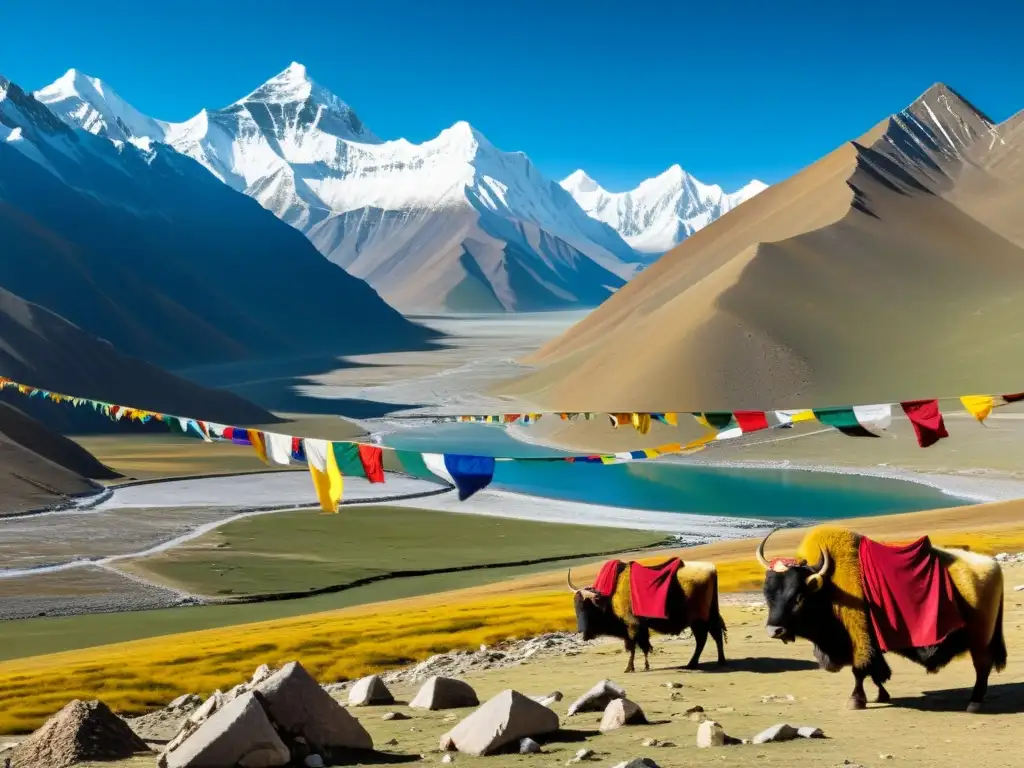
{"x":298,"y":551}
{"x":138,"y":675}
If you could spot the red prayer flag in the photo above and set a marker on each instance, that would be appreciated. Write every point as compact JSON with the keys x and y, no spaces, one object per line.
{"x":927,"y":420}
{"x":1014,"y":398}
{"x":751,"y":421}
{"x":372,"y":459}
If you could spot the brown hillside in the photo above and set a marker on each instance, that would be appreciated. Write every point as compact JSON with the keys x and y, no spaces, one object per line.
{"x":889,"y":269}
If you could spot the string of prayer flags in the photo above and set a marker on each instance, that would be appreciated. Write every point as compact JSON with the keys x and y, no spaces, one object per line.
{"x":926,"y":419}
{"x":858,"y":420}
{"x":794,"y":417}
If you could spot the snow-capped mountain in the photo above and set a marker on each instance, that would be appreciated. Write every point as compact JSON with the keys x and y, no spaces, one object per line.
{"x":449,"y":224}
{"x":661,"y":212}
{"x":144,"y":248}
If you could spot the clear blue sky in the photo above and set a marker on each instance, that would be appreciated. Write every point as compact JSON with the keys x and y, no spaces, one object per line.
{"x":729,"y":90}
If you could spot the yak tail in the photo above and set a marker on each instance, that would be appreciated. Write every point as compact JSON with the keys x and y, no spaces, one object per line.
{"x":716,"y":613}
{"x":997,"y":645}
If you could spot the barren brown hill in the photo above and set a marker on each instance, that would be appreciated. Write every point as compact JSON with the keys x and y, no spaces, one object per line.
{"x":890,"y":269}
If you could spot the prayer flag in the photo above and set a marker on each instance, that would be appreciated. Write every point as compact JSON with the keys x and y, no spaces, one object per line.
{"x":372,"y":459}
{"x":979,"y":406}
{"x":256,"y":439}
{"x":279,"y":448}
{"x":470,"y":473}
{"x":327,"y":479}
{"x":926,"y":418}
{"x":857,"y":421}
{"x":751,"y":421}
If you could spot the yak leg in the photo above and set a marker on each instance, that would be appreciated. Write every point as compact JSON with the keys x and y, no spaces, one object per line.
{"x":718,"y":636}
{"x":858,"y":699}
{"x":631,"y":647}
{"x":643,"y":639}
{"x":982,"y":659}
{"x":700,"y":637}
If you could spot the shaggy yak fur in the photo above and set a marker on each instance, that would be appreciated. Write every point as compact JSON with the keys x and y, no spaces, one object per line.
{"x":692,"y":602}
{"x":829,"y":609}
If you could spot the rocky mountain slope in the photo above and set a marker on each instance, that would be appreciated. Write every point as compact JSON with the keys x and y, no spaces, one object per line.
{"x":449,"y":224}
{"x":661,"y":212}
{"x":890,"y":269}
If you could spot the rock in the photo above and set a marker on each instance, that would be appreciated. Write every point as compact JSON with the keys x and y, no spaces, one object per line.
{"x":394,"y":716}
{"x":697,"y":717}
{"x":711,"y":734}
{"x":886,"y":756}
{"x":300,"y":707}
{"x":1019,"y":588}
{"x":502,"y":720}
{"x":581,"y":755}
{"x":774,"y":698}
{"x":597,"y":698}
{"x":650,"y":743}
{"x":391,"y":743}
{"x":552,"y":698}
{"x":81,"y":731}
{"x":638,"y":762}
{"x":694,"y":710}
{"x":447,"y":759}
{"x":528,"y":746}
{"x":725,"y":709}
{"x":187,"y":701}
{"x":313,"y":761}
{"x":235,"y":692}
{"x":673,"y":685}
{"x":208,"y":707}
{"x":810,"y":732}
{"x":621,"y":712}
{"x":238,"y":734}
{"x":444,"y":693}
{"x":780,"y":732}
{"x":369,"y":691}
{"x":262,"y":673}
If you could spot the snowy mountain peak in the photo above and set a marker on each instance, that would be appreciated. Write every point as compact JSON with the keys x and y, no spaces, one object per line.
{"x":662,"y":211}
{"x":91,"y":104}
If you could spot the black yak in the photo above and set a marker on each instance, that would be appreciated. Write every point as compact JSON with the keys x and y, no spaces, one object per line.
{"x":830,"y":604}
{"x":692,"y":601}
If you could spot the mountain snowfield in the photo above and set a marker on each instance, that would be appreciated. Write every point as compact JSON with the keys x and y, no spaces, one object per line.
{"x":449,"y":224}
{"x":661,"y":212}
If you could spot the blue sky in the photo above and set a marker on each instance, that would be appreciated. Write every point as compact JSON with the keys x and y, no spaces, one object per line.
{"x":729,"y":90}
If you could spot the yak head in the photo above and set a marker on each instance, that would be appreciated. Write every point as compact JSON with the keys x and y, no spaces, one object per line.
{"x":799,"y":598}
{"x":594,"y":614}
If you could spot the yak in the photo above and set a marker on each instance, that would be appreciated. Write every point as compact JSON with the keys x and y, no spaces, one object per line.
{"x":692,"y":602}
{"x":825,"y":603}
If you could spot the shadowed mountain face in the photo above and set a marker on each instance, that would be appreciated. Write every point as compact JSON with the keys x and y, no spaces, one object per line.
{"x":145,"y":248}
{"x":39,"y":348}
{"x":890,"y":269}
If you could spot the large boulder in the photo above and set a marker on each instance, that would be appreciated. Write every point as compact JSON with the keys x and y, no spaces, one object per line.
{"x":300,"y":707}
{"x":83,"y":730}
{"x":368,"y":692}
{"x":444,"y":693}
{"x":238,"y":734}
{"x":597,"y":698}
{"x":503,"y":720}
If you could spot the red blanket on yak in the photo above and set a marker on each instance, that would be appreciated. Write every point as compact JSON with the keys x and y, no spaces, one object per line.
{"x":909,"y":594}
{"x":648,"y":586}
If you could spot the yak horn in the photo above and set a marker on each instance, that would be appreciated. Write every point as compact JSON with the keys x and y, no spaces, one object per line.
{"x":572,"y":586}
{"x":826,"y":563}
{"x":760,"y":552}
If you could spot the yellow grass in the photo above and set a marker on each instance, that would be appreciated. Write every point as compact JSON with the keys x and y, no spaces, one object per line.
{"x":138,"y":676}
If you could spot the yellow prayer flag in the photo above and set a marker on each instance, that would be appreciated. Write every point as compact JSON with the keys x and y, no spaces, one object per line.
{"x":641,"y":422}
{"x":672,"y":419}
{"x":979,"y":406}
{"x":329,"y":484}
{"x":258,"y":444}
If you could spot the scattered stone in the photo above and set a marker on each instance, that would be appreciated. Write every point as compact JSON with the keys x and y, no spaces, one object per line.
{"x":394,"y":716}
{"x":638,"y":762}
{"x":780,"y":732}
{"x":238,"y":733}
{"x":673,"y":685}
{"x":188,"y":701}
{"x":262,"y":673}
{"x":620,"y":712}
{"x":300,"y":707}
{"x":711,"y":734}
{"x":313,"y":761}
{"x":447,"y":759}
{"x":391,"y":743}
{"x":552,"y":698}
{"x":1019,"y":588}
{"x":582,"y":755}
{"x":369,"y":691}
{"x":726,"y":709}
{"x":694,"y":710}
{"x":597,"y":698}
{"x":810,"y":732}
{"x":445,"y":693}
{"x":235,"y":692}
{"x":886,"y":756}
{"x":528,"y":746}
{"x":502,"y":720}
{"x":208,"y":707}
{"x":82,"y":730}
{"x":650,"y":743}
{"x":773,"y":699}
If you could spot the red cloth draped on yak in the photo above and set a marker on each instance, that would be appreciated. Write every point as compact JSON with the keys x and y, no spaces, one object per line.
{"x":630,"y":600}
{"x":863,"y":598}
